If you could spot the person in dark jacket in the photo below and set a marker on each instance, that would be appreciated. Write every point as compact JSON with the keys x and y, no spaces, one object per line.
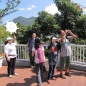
{"x":30,"y":45}
{"x":54,"y":46}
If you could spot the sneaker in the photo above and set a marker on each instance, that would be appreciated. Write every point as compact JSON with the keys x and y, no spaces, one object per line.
{"x":48,"y":81}
{"x":32,"y":67}
{"x":62,"y":76}
{"x":54,"y":78}
{"x":15,"y":74}
{"x":67,"y":74}
{"x":10,"y":76}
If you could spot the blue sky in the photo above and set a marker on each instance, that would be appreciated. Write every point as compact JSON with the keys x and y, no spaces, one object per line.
{"x":29,"y":8}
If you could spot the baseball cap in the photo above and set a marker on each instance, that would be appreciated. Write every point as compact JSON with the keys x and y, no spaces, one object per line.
{"x":9,"y":38}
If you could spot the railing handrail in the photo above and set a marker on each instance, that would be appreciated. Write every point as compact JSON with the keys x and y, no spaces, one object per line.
{"x":79,"y":52}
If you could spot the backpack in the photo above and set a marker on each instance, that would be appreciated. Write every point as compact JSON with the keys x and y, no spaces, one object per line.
{"x":41,"y":55}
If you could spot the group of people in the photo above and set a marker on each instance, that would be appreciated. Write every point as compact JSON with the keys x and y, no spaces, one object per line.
{"x":56,"y":45}
{"x":34,"y":45}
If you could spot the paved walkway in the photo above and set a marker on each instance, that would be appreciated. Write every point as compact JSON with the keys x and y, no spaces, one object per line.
{"x":27,"y":77}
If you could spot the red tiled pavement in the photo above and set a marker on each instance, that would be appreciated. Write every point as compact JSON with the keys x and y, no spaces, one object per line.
{"x":27,"y":77}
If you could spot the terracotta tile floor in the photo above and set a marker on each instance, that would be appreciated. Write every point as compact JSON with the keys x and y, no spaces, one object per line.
{"x":27,"y":77}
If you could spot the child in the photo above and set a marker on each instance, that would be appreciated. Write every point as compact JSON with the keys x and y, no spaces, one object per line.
{"x":38,"y":62}
{"x":54,"y":47}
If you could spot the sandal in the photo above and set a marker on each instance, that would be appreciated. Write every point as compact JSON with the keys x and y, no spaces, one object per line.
{"x":48,"y":81}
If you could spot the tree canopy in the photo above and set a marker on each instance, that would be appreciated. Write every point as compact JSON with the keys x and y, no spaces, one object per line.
{"x":45,"y":25}
{"x":70,"y":13}
{"x":10,"y":8}
{"x":71,"y":17}
{"x":3,"y":34}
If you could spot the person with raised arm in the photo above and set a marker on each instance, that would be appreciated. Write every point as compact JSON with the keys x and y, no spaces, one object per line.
{"x":10,"y":54}
{"x":53,"y":47}
{"x":65,"y":52}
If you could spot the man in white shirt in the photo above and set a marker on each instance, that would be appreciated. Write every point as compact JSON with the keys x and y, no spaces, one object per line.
{"x":10,"y":54}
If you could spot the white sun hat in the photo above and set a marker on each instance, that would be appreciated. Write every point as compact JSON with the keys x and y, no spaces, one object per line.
{"x":9,"y":38}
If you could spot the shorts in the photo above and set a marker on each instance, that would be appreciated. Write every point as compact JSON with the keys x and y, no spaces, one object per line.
{"x":64,"y":62}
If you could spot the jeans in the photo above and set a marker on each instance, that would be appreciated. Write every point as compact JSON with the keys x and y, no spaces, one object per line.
{"x":56,"y":60}
{"x":31,"y":58}
{"x":51,"y":72}
{"x":11,"y":66}
{"x":39,"y":73}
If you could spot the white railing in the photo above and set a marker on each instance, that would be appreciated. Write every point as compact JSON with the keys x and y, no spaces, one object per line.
{"x":21,"y":51}
{"x":79,"y":53}
{"x":78,"y":56}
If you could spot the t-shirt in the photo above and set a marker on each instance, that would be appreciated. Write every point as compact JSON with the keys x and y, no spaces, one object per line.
{"x":36,"y":60}
{"x":10,"y":49}
{"x":66,"y":47}
{"x":31,"y":43}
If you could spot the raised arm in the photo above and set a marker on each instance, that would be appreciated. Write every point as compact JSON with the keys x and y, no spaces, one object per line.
{"x":14,"y":37}
{"x":72,"y":34}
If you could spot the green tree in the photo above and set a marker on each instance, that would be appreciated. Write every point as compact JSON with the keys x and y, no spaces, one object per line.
{"x":70,"y":13}
{"x":23,"y":33}
{"x":3,"y":34}
{"x":45,"y":25}
{"x":81,"y":27}
{"x":71,"y":17}
{"x":20,"y":33}
{"x":10,"y":8}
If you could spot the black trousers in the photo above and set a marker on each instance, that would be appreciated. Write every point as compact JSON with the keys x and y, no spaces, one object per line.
{"x":11,"y":66}
{"x":31,"y":58}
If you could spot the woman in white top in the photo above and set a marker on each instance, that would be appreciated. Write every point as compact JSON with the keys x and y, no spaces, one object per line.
{"x":10,"y":54}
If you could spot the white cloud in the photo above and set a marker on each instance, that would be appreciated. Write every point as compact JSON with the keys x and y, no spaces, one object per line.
{"x":52,"y":9}
{"x":33,"y":6}
{"x":29,"y":8}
